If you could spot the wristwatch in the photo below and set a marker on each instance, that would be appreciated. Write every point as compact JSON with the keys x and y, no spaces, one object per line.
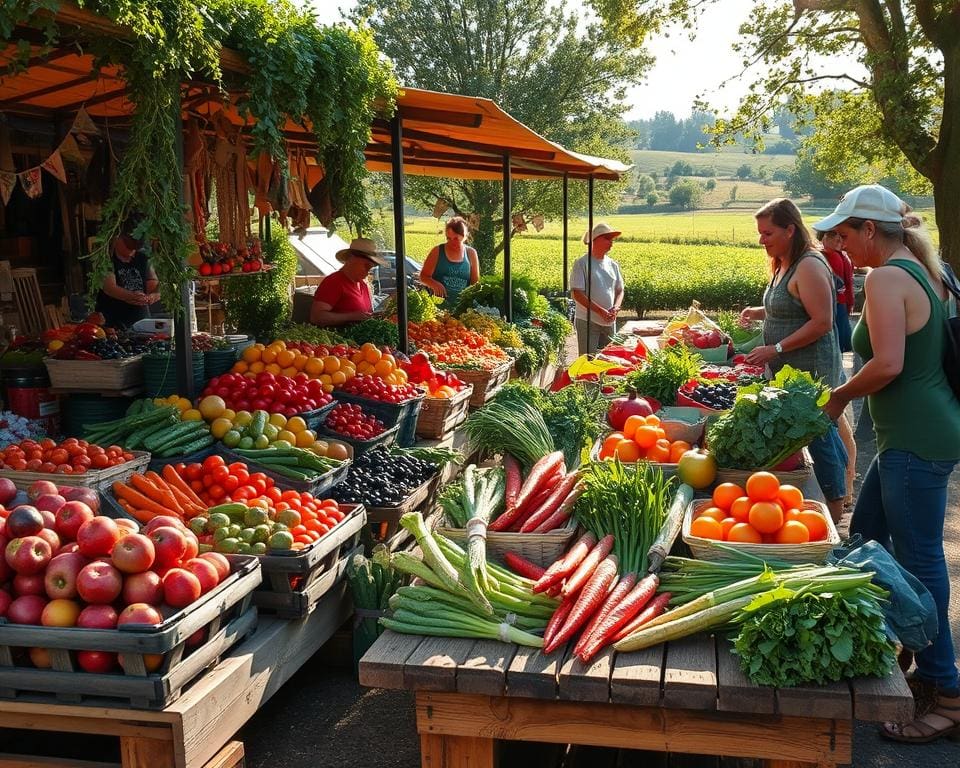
{"x":779,"y":348}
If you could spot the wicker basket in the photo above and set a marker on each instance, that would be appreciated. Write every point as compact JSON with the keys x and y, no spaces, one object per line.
{"x":96,"y":479}
{"x":439,"y":416}
{"x":786,"y":477}
{"x":810,"y":552}
{"x":485,"y":383}
{"x":540,"y":548}
{"x":669,"y":470}
{"x":96,"y":375}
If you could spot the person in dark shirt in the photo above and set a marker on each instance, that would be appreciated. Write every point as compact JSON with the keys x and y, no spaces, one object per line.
{"x":131,"y":287}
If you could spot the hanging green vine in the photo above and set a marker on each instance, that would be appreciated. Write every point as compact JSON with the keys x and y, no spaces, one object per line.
{"x":330,"y":78}
{"x":260,"y":305}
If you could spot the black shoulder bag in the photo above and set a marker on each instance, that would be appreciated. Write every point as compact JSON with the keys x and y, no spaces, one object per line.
{"x":951,"y":356}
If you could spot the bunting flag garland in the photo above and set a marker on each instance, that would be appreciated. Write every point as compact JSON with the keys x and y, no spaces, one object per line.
{"x":7,"y":182}
{"x":70,"y":150}
{"x":83,"y":123}
{"x":32,"y":182}
{"x":54,"y":166}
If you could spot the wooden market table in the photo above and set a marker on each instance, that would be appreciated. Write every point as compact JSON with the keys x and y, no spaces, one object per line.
{"x":687,"y":696}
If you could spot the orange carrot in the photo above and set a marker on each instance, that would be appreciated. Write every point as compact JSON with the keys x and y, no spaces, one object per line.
{"x":565,"y":565}
{"x":139,"y":515}
{"x":172,"y":476}
{"x":588,"y":601}
{"x":585,"y":570}
{"x":189,"y":508}
{"x":160,"y":494}
{"x":138,"y":499}
{"x":619,"y":615}
{"x":653,"y":609}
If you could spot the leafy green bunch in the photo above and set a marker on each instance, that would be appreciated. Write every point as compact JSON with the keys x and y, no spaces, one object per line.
{"x":665,"y":371}
{"x":311,"y":334}
{"x":769,"y":422}
{"x":488,"y":292}
{"x":260,"y":305}
{"x":421,"y":306}
{"x":382,"y":333}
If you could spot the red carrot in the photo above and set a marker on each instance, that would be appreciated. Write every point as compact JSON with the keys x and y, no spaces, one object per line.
{"x":538,"y":473}
{"x":619,"y":616}
{"x":521,"y":566}
{"x":618,"y":593}
{"x":588,"y":601}
{"x":563,"y":512}
{"x":514,"y":479}
{"x":585,"y":570}
{"x":565,"y":565}
{"x":537,"y":499}
{"x":541,"y":513}
{"x":653,"y":609}
{"x":557,"y":620}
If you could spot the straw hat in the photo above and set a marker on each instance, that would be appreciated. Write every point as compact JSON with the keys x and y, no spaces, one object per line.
{"x":601,"y":229}
{"x":365,"y":248}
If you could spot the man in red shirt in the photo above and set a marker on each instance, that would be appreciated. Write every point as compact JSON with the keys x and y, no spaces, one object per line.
{"x":344,"y":296}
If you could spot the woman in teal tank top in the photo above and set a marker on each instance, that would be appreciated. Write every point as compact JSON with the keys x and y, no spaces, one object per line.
{"x":903,"y":498}
{"x":451,"y":266}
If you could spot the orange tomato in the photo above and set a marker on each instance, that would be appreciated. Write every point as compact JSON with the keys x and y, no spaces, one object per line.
{"x":627,"y":451}
{"x":631,"y":425}
{"x":726,"y":524}
{"x":791,"y":514}
{"x":766,"y":516}
{"x":744,"y":532}
{"x":740,"y":509}
{"x":815,"y":523}
{"x":763,"y":486}
{"x":792,"y":532}
{"x":646,"y":436}
{"x":715,"y":512}
{"x":659,"y":452}
{"x":790,"y":497}
{"x":707,"y":528}
{"x":726,"y":493}
{"x":677,"y":449}
{"x":653,"y":420}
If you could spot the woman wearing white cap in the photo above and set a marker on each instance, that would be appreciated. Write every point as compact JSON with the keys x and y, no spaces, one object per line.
{"x":605,"y":291}
{"x":916,"y":417}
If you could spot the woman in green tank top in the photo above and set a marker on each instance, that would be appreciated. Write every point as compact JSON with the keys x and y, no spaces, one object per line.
{"x":451,"y":266}
{"x":903,"y":497}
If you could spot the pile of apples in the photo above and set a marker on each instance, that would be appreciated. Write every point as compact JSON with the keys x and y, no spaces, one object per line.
{"x":63,"y":565}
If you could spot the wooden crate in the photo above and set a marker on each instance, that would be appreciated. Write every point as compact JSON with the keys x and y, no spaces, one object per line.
{"x":97,"y":479}
{"x":95,"y":375}
{"x":386,"y":438}
{"x":224,"y":616}
{"x":439,"y":416}
{"x":384,"y":521}
{"x":316,"y":487}
{"x":485,"y":383}
{"x":293,"y":582}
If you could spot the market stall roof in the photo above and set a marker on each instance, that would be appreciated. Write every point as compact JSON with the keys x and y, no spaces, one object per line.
{"x":443,"y":134}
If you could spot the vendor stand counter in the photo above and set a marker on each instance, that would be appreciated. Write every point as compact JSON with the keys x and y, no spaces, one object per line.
{"x":688,"y":696}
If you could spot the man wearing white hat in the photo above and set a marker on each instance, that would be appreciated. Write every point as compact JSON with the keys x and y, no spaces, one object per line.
{"x":605,"y":291}
{"x":344,"y":296}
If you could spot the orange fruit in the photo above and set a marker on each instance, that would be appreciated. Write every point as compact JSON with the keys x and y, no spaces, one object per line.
{"x":383,"y":367}
{"x":715,"y":512}
{"x":631,"y":425}
{"x":338,"y":377}
{"x":726,"y":493}
{"x":726,"y":524}
{"x":610,"y":442}
{"x":766,"y":516}
{"x":653,"y":420}
{"x":815,"y":523}
{"x":707,"y":528}
{"x":269,"y":355}
{"x":744,"y":532}
{"x":646,"y":436}
{"x":791,"y":514}
{"x":792,"y":532}
{"x":285,"y":358}
{"x":370,"y":353}
{"x":252,"y":354}
{"x":659,"y":452}
{"x":677,"y":449}
{"x":763,"y":486}
{"x":290,"y":371}
{"x":257,"y":367}
{"x":790,"y":497}
{"x":273,"y":368}
{"x":627,"y":451}
{"x":240,"y":367}
{"x":314,"y":366}
{"x":740,"y":509}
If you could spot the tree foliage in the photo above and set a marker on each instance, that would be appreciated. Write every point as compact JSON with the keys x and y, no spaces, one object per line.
{"x":686,"y":194}
{"x":563,"y":79}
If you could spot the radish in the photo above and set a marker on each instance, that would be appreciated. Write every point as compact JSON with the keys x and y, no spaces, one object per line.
{"x":653,"y":609}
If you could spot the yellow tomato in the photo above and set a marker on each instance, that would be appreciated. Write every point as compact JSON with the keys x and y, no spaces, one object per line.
{"x":269,"y":355}
{"x":300,"y":361}
{"x":339,"y":377}
{"x":220,"y":427}
{"x":278,"y":420}
{"x":240,"y":367}
{"x":286,"y":434}
{"x":306,"y":438}
{"x":296,"y":424}
{"x":191,"y":414}
{"x":325,"y":378}
{"x":285,"y":358}
{"x":257,"y":367}
{"x":383,"y":367}
{"x":370,"y":353}
{"x":331,"y":364}
{"x":328,"y":388}
{"x":289,"y":371}
{"x":313,"y":367}
{"x":252,"y":354}
{"x":229,"y":413}
{"x":242,"y":418}
{"x":366,"y":369}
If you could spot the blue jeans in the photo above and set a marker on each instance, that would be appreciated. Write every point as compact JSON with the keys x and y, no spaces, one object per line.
{"x":829,"y":456}
{"x":842,"y":327}
{"x":901,"y":505}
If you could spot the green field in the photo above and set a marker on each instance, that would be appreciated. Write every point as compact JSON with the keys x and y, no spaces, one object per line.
{"x":723,"y":163}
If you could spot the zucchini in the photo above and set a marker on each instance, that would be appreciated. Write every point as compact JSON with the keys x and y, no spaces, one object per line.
{"x":291,"y":472}
{"x":197,"y":445}
{"x":136,"y":407}
{"x":170,"y":434}
{"x":174,"y":445}
{"x":137,"y":438}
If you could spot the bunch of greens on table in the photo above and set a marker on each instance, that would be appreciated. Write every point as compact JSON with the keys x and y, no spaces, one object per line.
{"x":382,"y":333}
{"x":516,"y":428}
{"x":312,"y":334}
{"x":574,"y":416}
{"x":421,"y":306}
{"x":729,"y":323}
{"x":770,"y":422}
{"x":373,"y":582}
{"x":478,"y":493}
{"x":664,"y":372}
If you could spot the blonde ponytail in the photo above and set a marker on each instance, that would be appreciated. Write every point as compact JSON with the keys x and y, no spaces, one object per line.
{"x":916,"y":238}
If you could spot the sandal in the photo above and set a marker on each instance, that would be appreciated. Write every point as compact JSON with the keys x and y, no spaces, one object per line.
{"x":943,"y":720}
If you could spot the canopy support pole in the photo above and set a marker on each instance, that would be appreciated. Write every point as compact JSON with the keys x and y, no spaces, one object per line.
{"x":399,"y":249}
{"x":182,"y":325}
{"x":589,"y":257}
{"x":507,"y":225}
{"x":566,"y":206}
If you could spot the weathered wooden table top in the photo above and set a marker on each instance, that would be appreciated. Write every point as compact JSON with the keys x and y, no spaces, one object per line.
{"x":698,"y":673}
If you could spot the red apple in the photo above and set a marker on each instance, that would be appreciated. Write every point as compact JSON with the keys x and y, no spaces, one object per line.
{"x":170,"y":544}
{"x":180,"y":588}
{"x":139,"y":613}
{"x":126,"y":525}
{"x":6,"y":572}
{"x":219,"y":562}
{"x":163,"y":520}
{"x":97,"y":617}
{"x":5,"y":599}
{"x":23,"y":521}
{"x":133,"y":553}
{"x":40,"y":658}
{"x":70,"y":547}
{"x":205,"y":571}
{"x":50,"y":536}
{"x":97,"y":536}
{"x":193,"y":546}
{"x":146,"y":587}
{"x":28,"y":555}
{"x":49,"y":518}
{"x":50,"y":502}
{"x":40,"y":488}
{"x":87,"y":495}
{"x":96,"y":661}
{"x":60,"y":580}
{"x":28,"y":585}
{"x":8,"y":491}
{"x":26,"y":610}
{"x":70,"y":517}
{"x":99,"y":583}
{"x":60,"y":613}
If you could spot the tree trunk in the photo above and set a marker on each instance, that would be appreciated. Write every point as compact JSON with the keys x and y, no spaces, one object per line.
{"x":946,"y":193}
{"x":485,"y":236}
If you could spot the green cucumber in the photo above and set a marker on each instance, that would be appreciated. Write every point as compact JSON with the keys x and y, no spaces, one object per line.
{"x":181,"y":438}
{"x":283,"y":461}
{"x":256,"y":426}
{"x":293,"y":474}
{"x":197,"y":445}
{"x":170,"y":434}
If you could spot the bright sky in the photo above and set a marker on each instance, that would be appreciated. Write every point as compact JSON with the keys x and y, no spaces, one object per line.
{"x":684,"y":68}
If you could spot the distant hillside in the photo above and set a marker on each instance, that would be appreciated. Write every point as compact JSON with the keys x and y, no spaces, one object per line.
{"x":722,"y":163}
